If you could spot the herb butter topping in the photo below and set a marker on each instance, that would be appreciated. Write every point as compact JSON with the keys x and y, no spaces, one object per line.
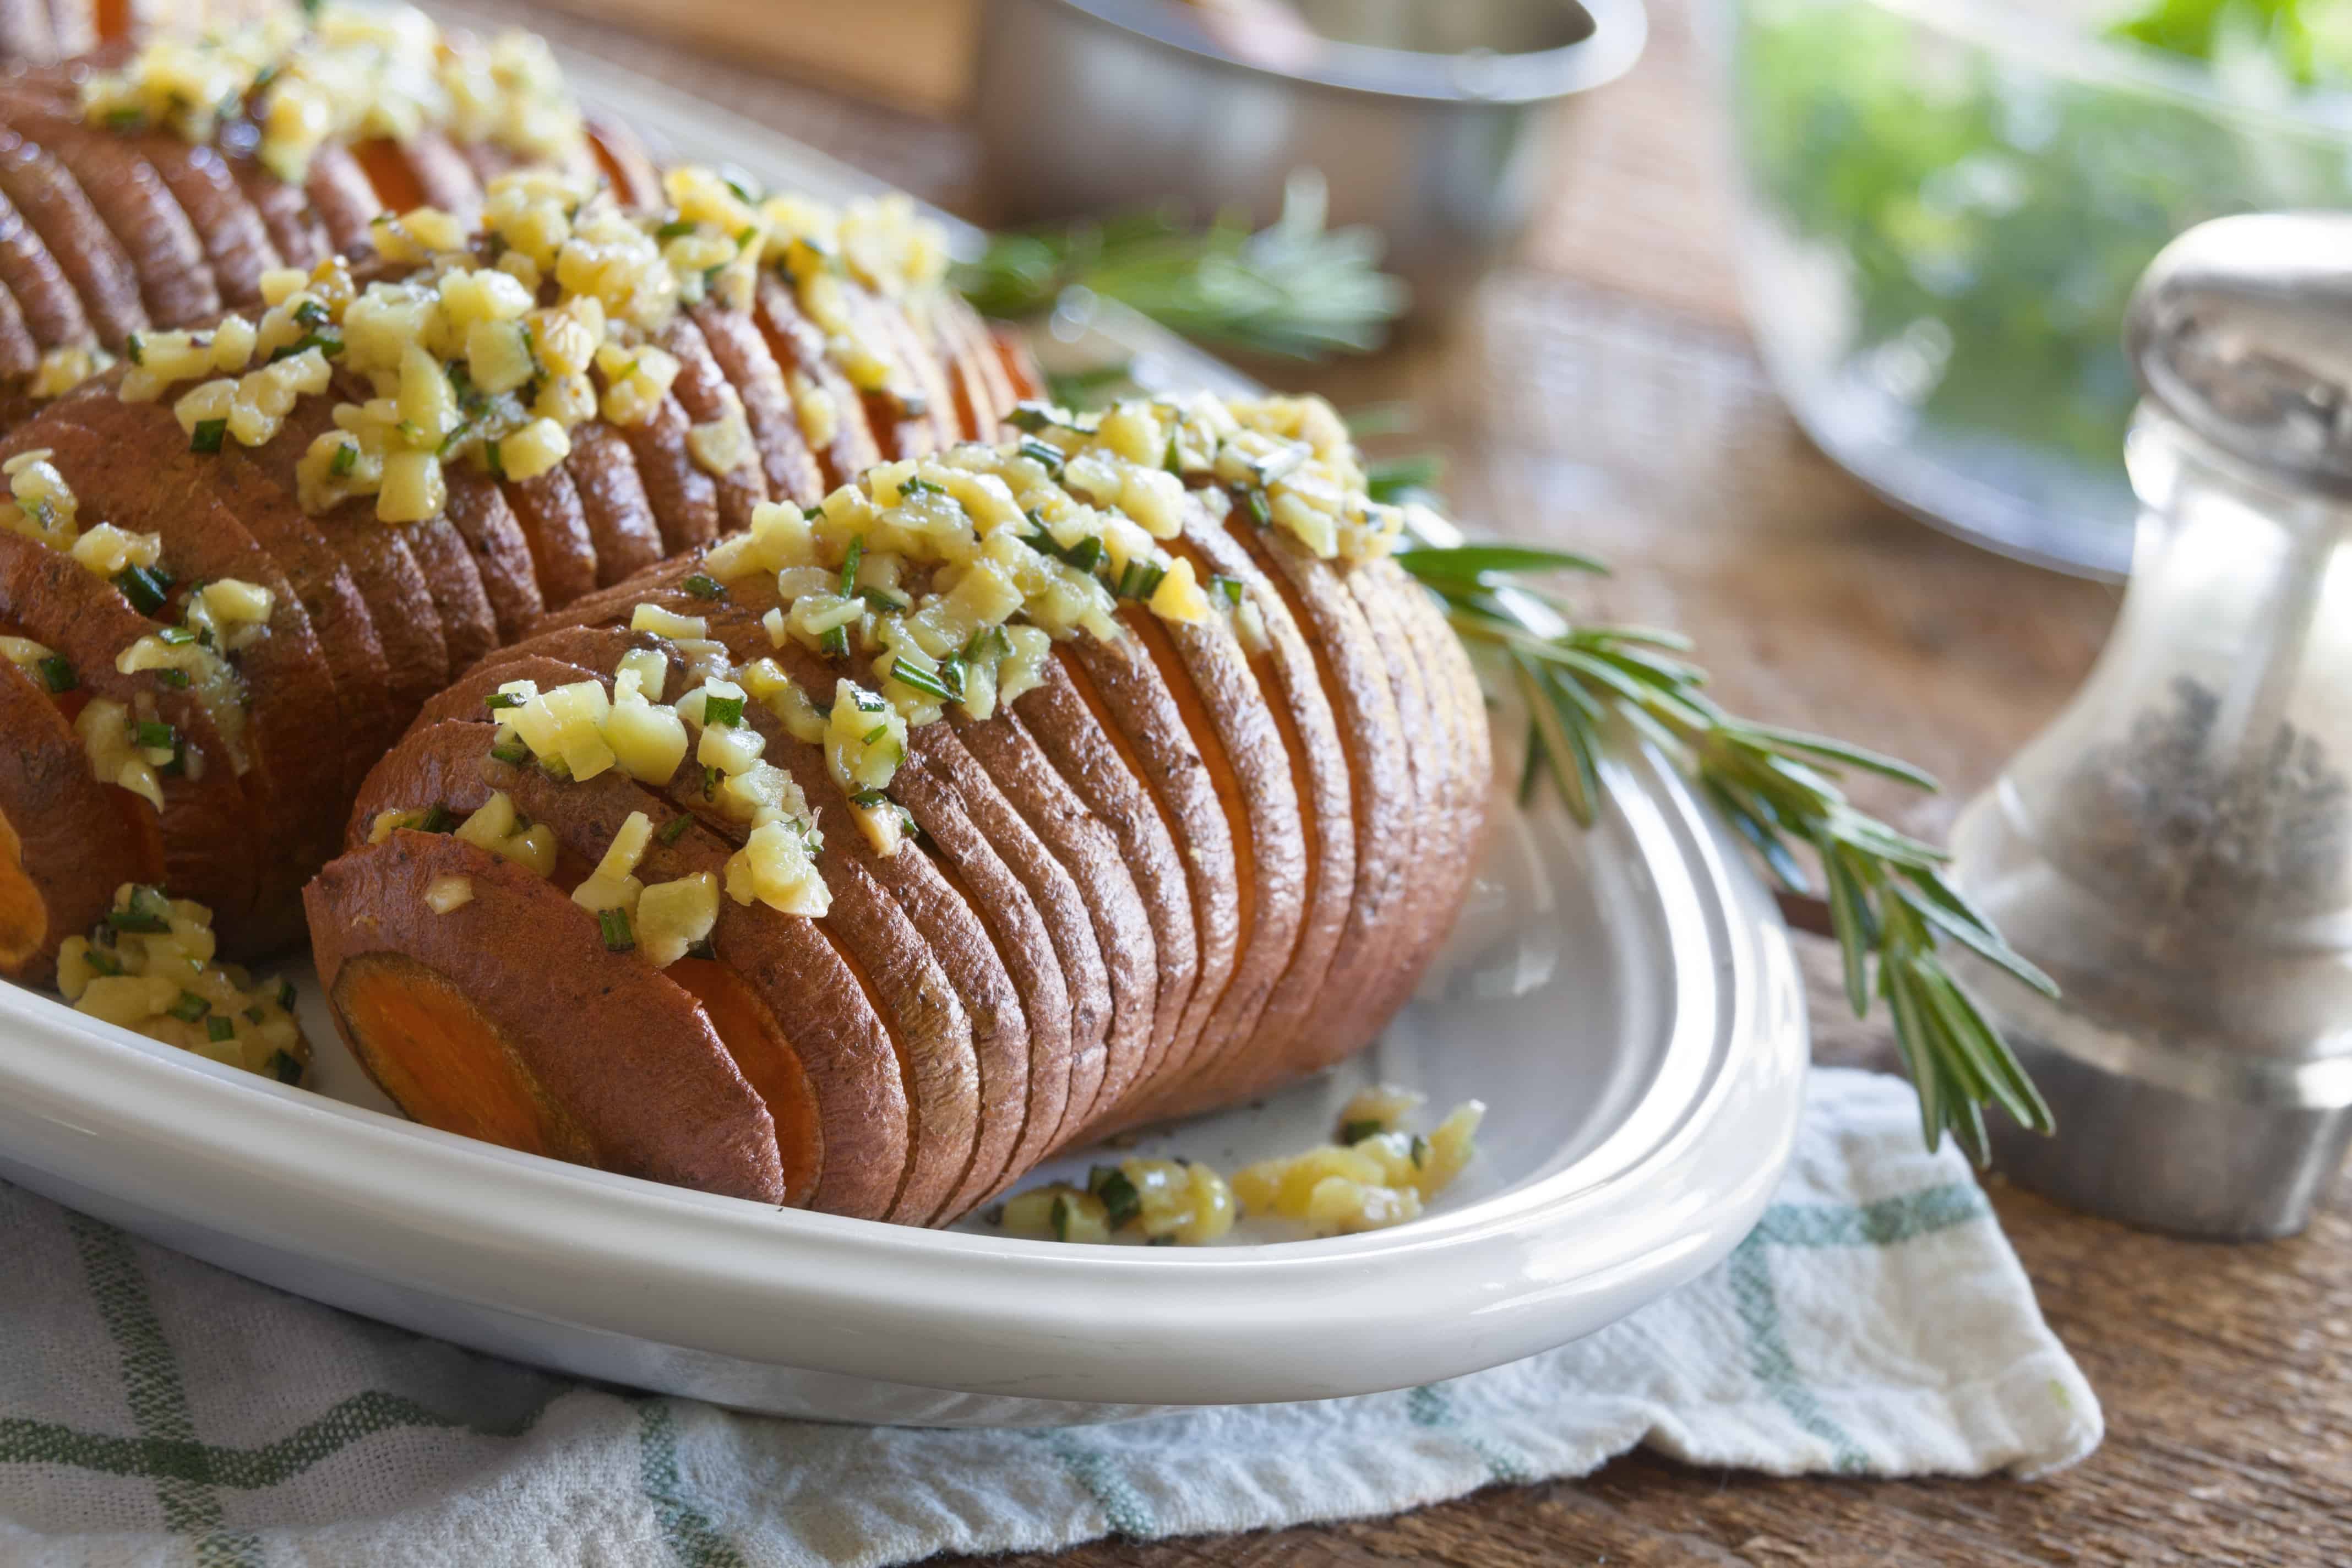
{"x":131,"y":746}
{"x":149,"y":967}
{"x":282,"y":88}
{"x":502,"y":341}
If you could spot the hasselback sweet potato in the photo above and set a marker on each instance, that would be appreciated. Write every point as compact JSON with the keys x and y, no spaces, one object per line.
{"x":1290,"y":785}
{"x":369,"y":619}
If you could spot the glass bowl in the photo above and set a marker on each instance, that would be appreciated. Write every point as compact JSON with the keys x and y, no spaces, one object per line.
{"x":1946,"y":204}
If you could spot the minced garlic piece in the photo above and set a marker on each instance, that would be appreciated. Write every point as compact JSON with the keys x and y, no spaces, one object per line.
{"x":1379,"y":1177}
{"x":148,"y":966}
{"x":109,"y":738}
{"x":181,"y":658}
{"x":675,"y":916}
{"x":64,"y":368}
{"x":354,"y":72}
{"x":614,"y":884}
{"x":1160,"y":1202}
{"x":444,"y":894}
{"x":497,"y":826}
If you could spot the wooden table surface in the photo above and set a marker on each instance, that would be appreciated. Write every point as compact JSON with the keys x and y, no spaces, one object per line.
{"x":1603,"y":393}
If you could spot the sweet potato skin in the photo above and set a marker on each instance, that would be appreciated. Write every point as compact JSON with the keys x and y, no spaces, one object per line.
{"x":658,"y":1098}
{"x":66,"y":841}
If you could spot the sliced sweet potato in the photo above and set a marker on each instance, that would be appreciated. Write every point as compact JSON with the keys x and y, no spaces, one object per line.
{"x":1318,"y":759}
{"x":52,"y":311}
{"x":346,"y":200}
{"x":705,"y":396}
{"x":209,"y":825}
{"x":290,"y":690}
{"x":616,"y":514}
{"x":295,"y":224}
{"x":236,"y":242}
{"x":1234,"y":729}
{"x":174,"y":276}
{"x":1120,"y":682}
{"x":467,"y":1035}
{"x":53,"y":203}
{"x":800,"y":351}
{"x":1356,"y":680}
{"x":66,"y":841}
{"x":685,"y":499}
{"x":744,"y":359}
{"x":19,"y":354}
{"x":549,"y":509}
{"x":478,"y":509}
{"x":623,"y":159}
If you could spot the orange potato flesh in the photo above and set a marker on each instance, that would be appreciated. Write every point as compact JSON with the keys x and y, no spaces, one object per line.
{"x":757,"y":1042}
{"x":448,"y":1066}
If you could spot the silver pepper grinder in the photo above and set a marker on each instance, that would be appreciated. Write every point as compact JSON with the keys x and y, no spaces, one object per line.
{"x":2176,"y":847}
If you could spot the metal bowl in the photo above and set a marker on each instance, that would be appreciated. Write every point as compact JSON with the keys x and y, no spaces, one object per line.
{"x":1436,"y":123}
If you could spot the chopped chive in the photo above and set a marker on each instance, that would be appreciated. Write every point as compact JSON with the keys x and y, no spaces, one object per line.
{"x":189,"y":1007}
{"x":329,"y":344}
{"x":674,"y":227}
{"x":285,"y":1068}
{"x":869,"y":798}
{"x":255,"y":1014}
{"x":135,"y":920}
{"x":1420,"y":1152}
{"x":1357,"y":1131}
{"x":742,"y":183}
{"x":153,"y":735}
{"x":921,"y":679}
{"x":745,"y":236}
{"x":135,"y":346}
{"x":703,"y":585}
{"x":1231,"y":587}
{"x":1063,"y":1212}
{"x":865,"y":701}
{"x":915,"y":484}
{"x":875,"y":734}
{"x":1043,"y":452}
{"x":725,"y":712}
{"x":836,"y":643}
{"x":498,"y":701}
{"x":178,"y":765}
{"x":436,"y":819}
{"x":144,"y":587}
{"x":555,"y":767}
{"x":206,"y":436}
{"x":1120,"y":1198}
{"x":286,"y":994}
{"x":674,"y":828}
{"x":1174,"y":461}
{"x":220,"y":1029}
{"x":514,"y":753}
{"x":126,"y":118}
{"x":882,"y":601}
{"x":347,"y":457}
{"x":310,"y":313}
{"x":1140,"y":579}
{"x":615,"y":925}
{"x":711,"y":777}
{"x":57,"y":674}
{"x":103,"y":962}
{"x":1253,"y":499}
{"x":175,"y":637}
{"x":1085,"y":553}
{"x":850,"y":562}
{"x":171,"y":680}
{"x":491,"y":460}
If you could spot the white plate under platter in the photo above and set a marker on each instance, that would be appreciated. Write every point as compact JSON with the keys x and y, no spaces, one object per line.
{"x":1623,"y":1000}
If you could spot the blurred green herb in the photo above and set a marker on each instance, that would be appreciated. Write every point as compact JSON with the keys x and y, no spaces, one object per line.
{"x":1295,"y":289}
{"x":1889,"y":904}
{"x":1985,"y":218}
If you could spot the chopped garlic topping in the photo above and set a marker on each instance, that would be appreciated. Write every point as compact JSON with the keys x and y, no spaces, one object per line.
{"x":446,"y":893}
{"x":285,"y":89}
{"x":1159,"y":1202}
{"x":1374,"y":1178}
{"x":149,"y":966}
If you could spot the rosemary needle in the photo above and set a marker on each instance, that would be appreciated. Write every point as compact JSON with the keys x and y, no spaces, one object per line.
{"x":1890,"y":905}
{"x":1295,"y":289}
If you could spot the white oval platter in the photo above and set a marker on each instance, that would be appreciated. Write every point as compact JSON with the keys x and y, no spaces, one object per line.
{"x":1623,"y":1000}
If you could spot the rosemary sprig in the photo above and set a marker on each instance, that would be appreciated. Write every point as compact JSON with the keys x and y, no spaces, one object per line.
{"x":1890,"y":905}
{"x":1294,"y":289}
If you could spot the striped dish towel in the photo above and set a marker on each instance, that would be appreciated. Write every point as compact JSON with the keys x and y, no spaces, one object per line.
{"x":154,"y":1411}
